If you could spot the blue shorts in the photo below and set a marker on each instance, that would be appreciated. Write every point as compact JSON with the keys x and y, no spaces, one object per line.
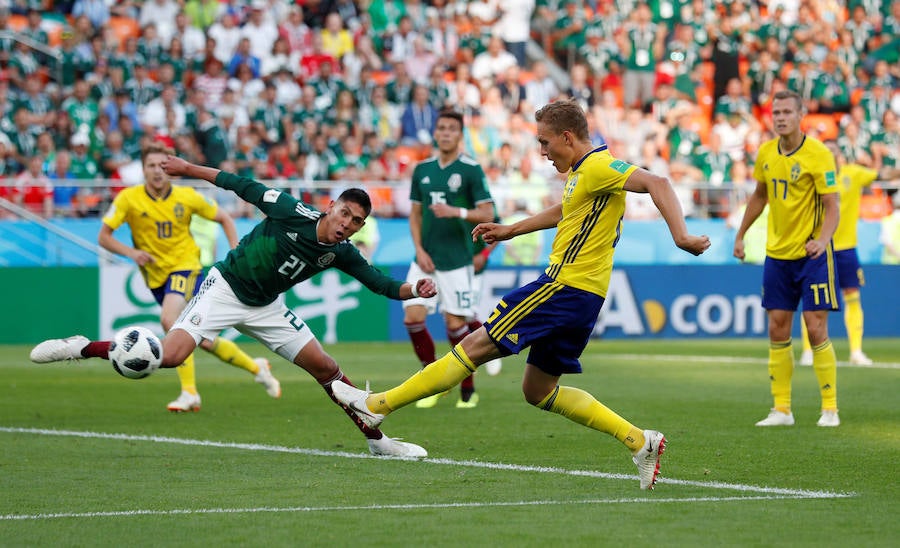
{"x":183,"y":282}
{"x":849,"y":273}
{"x":555,"y":320}
{"x":787,"y":282}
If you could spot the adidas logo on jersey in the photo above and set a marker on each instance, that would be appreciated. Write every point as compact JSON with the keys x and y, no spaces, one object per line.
{"x":513,"y":337}
{"x":292,"y":235}
{"x":425,"y":180}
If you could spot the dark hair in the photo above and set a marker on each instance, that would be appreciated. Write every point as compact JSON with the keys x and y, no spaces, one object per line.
{"x":453,"y":115}
{"x":566,"y":115}
{"x":357,"y":196}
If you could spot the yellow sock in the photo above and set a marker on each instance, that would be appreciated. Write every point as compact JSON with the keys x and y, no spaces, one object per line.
{"x":825,"y":366}
{"x":435,"y":378}
{"x":853,"y":320}
{"x":187,"y":375}
{"x":804,"y":334}
{"x":583,"y":408}
{"x":781,"y":370}
{"x":231,"y":353}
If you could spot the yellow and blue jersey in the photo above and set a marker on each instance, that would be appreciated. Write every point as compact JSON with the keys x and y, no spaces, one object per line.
{"x":852,"y":178}
{"x":161,"y":227}
{"x":593,"y":204}
{"x":795,"y":183}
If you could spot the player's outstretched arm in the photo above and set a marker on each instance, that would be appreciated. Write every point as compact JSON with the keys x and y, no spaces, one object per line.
{"x":179,"y":167}
{"x":494,"y":232}
{"x":666,"y":201}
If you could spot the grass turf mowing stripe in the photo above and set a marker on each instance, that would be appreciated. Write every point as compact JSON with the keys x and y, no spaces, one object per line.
{"x":789,"y":493}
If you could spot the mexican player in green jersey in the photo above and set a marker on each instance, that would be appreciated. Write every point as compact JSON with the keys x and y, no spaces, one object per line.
{"x":292,"y":244}
{"x":449,"y":196}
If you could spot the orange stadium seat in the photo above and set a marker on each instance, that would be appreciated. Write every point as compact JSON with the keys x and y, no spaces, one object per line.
{"x":17,"y":23}
{"x":823,"y":125}
{"x":381,"y":77}
{"x":875,"y":206}
{"x":702,"y":124}
{"x":124,"y":27}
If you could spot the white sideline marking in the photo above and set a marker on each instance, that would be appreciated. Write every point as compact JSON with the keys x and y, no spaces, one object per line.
{"x":682,"y":358}
{"x":761,"y":493}
{"x":130,"y":513}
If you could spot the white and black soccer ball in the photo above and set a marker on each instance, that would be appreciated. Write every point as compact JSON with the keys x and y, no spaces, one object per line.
{"x":135,"y":352}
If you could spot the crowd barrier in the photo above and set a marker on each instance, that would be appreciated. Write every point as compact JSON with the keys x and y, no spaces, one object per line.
{"x":23,"y":243}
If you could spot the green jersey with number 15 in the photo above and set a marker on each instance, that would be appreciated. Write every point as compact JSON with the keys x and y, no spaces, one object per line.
{"x":461,"y":183}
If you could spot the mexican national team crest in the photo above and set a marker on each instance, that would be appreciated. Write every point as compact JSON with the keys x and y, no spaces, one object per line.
{"x":454,"y":182}
{"x":325,"y":260}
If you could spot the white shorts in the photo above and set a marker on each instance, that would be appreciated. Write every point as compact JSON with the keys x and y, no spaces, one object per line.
{"x":216,"y":308}
{"x":454,"y":290}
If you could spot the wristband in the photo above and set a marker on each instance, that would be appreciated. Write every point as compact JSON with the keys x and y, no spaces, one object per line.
{"x":415,"y":292}
{"x":463,"y":213}
{"x":486,"y":251}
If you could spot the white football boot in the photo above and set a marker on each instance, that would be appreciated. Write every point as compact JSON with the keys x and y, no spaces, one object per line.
{"x":392,"y":447}
{"x":265,"y":378}
{"x":57,"y":350}
{"x":184,"y":403}
{"x":777,"y":418}
{"x":647,"y":458}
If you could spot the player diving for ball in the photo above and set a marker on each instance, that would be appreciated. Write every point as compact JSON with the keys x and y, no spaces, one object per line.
{"x":292,"y":244}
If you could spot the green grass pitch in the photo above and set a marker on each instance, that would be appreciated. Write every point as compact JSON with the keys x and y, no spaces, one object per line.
{"x":88,"y":458}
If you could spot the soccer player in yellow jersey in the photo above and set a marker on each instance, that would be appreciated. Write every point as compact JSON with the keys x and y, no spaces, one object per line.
{"x":852,"y":179}
{"x":796,"y":176}
{"x":159,"y":215}
{"x":555,"y":314}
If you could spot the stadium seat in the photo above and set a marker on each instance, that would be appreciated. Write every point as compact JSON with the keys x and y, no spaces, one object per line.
{"x":874,"y":206}
{"x":382,"y":198}
{"x":701,"y":123}
{"x":381,"y":77}
{"x":17,"y":23}
{"x":823,"y":125}
{"x":124,"y":27}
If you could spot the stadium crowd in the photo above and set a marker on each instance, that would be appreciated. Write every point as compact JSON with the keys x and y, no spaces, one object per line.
{"x":348,"y":91}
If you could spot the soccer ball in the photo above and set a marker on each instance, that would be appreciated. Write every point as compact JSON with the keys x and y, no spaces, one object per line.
{"x":135,"y":352}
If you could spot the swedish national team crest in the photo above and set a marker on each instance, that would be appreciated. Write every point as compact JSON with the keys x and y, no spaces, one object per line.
{"x":571,"y":183}
{"x":179,"y":211}
{"x":795,"y":172}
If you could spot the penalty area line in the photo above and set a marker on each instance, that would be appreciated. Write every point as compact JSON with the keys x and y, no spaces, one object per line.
{"x":767,"y":491}
{"x":425,"y":506}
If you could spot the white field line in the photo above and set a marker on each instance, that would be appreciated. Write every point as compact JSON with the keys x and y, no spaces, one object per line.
{"x":686,"y":359}
{"x":752,"y":492}
{"x":296,"y":509}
